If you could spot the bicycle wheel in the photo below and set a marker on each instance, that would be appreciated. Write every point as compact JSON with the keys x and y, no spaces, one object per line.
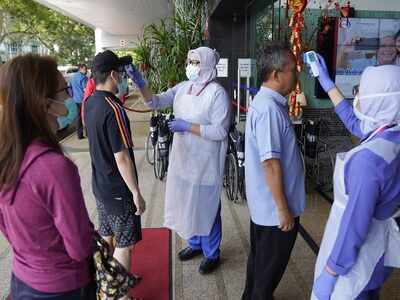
{"x":232,"y":177}
{"x":163,"y":168}
{"x":149,"y":150}
{"x":224,"y":179}
{"x":158,"y":165}
{"x":225,"y":182}
{"x":303,"y":162}
{"x":325,"y":168}
{"x":242,"y":189}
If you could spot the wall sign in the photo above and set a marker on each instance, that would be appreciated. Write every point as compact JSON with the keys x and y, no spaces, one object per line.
{"x":222,"y":67}
{"x":246,"y":67}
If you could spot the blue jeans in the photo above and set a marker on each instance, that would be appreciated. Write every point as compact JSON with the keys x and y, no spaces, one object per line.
{"x":21,"y":291}
{"x":210,"y":243}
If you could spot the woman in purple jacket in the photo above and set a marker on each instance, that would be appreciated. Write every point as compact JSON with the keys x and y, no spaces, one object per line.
{"x":42,"y":210}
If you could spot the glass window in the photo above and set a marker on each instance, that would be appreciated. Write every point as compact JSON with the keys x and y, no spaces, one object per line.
{"x":15,"y":48}
{"x":35,"y":49}
{"x":264,"y":26}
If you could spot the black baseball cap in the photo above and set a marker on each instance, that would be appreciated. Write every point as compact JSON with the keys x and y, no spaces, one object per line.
{"x":108,"y":60}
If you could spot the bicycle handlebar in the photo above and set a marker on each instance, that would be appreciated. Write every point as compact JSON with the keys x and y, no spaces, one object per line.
{"x":138,"y":110}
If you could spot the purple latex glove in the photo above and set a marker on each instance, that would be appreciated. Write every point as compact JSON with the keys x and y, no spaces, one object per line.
{"x":179,"y":125}
{"x":324,"y":285}
{"x":135,"y":75}
{"x":323,"y":78}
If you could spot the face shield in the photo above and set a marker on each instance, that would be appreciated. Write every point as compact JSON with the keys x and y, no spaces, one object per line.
{"x":202,"y":65}
{"x":357,"y":105}
{"x":378,"y":101}
{"x":193,"y":66}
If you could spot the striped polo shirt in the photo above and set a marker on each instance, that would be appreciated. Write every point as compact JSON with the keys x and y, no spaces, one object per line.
{"x":109,"y":132}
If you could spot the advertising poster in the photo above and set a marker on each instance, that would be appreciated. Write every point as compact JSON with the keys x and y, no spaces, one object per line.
{"x":362,"y":43}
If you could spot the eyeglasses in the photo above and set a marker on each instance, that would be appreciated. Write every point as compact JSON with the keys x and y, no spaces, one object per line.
{"x":193,"y":62}
{"x":67,"y":89}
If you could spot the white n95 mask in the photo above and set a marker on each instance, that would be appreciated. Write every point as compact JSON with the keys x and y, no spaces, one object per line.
{"x":192,"y":72}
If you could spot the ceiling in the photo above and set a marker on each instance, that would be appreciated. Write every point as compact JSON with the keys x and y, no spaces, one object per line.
{"x":227,"y":8}
{"x":117,"y":17}
{"x":230,"y":8}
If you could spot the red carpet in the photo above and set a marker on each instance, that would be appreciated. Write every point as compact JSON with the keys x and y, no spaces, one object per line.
{"x":152,"y":260}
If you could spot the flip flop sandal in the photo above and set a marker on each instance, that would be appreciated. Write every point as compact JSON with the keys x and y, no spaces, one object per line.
{"x":137,"y":277}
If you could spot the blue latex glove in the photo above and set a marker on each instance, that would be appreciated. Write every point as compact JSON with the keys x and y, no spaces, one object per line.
{"x":179,"y":125}
{"x":135,"y":75}
{"x":323,"y":78}
{"x":324,"y":285}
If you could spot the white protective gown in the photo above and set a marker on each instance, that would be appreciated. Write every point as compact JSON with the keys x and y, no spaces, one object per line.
{"x":383,"y":237}
{"x":196,"y":165}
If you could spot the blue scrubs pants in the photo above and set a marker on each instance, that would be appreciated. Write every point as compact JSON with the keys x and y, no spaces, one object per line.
{"x":209,"y":244}
{"x":369,"y":295}
{"x":378,"y":278}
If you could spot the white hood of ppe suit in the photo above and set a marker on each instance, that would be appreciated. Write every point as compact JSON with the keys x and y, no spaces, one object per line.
{"x":379,"y":97}
{"x":208,"y":61}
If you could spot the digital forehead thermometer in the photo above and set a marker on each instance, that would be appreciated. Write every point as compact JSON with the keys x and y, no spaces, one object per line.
{"x":311,"y":59}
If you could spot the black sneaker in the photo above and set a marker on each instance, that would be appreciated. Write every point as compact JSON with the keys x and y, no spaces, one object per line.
{"x":188,"y":253}
{"x":208,"y":265}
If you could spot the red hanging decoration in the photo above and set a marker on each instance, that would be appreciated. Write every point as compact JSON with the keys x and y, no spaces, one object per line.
{"x":296,"y":23}
{"x":297,"y":6}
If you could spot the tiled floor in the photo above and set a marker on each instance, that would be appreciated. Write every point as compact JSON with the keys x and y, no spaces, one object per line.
{"x":228,"y":281}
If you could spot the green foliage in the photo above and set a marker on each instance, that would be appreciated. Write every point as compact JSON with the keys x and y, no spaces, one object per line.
{"x":69,"y":41}
{"x":161,"y":51}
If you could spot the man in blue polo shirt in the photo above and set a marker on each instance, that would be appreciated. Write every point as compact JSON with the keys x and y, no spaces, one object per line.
{"x":274,"y":175}
{"x":78,"y":84}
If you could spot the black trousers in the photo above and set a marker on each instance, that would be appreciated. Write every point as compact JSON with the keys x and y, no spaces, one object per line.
{"x":22,"y":291}
{"x":79,"y":126}
{"x":270,"y":250}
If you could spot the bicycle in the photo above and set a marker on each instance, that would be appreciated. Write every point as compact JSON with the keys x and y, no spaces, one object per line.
{"x":162,"y":146}
{"x":234,"y":173}
{"x":151,"y":140}
{"x":318,"y":159}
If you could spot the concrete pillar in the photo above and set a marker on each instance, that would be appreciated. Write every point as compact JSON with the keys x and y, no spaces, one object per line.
{"x":105,"y":40}
{"x":98,"y":40}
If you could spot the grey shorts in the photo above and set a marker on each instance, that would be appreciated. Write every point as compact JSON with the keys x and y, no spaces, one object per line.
{"x":125,"y":227}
